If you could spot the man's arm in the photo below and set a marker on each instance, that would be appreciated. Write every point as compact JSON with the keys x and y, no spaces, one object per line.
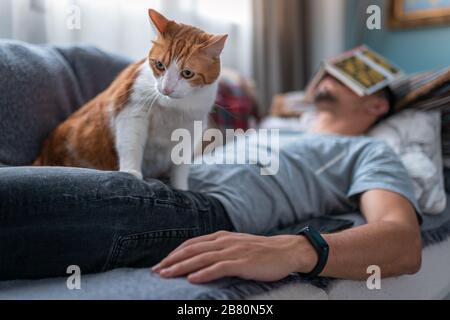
{"x":390,"y":240}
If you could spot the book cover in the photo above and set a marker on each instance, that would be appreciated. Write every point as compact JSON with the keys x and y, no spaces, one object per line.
{"x":362,"y":70}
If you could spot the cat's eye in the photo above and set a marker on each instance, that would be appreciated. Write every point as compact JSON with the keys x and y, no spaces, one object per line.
{"x":187,"y":74}
{"x":159,"y":65}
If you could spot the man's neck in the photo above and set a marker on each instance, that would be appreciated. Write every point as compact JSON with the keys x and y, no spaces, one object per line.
{"x":330,"y":124}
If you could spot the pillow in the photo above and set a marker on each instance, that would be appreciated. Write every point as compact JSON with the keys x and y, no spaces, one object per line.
{"x":40,"y":87}
{"x":416,"y":137}
{"x":427,"y":91}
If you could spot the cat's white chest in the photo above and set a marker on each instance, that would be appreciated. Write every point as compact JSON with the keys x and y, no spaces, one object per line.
{"x":157,"y":159}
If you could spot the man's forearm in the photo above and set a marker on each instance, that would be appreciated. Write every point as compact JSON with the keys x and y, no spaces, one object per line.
{"x":394,"y":248}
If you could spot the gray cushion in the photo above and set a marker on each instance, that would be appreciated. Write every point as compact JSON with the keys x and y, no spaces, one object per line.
{"x":40,"y":87}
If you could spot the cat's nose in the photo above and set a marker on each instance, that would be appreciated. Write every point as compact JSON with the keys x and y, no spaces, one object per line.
{"x":168,"y":91}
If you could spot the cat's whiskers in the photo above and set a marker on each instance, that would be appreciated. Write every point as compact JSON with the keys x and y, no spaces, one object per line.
{"x":144,"y":101}
{"x":152,"y":99}
{"x":161,"y":96}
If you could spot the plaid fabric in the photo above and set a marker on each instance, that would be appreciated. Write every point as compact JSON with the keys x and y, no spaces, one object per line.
{"x":427,"y":91}
{"x":236,"y":106}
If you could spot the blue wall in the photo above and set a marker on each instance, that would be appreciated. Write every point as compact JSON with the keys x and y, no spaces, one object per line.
{"x":411,"y":49}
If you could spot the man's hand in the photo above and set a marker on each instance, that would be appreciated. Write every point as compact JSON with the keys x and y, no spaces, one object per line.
{"x":225,"y":254}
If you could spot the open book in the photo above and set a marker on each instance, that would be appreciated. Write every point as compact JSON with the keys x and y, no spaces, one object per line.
{"x":361,"y":69}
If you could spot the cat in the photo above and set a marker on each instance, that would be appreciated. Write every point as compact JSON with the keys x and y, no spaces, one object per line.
{"x":128,"y":127}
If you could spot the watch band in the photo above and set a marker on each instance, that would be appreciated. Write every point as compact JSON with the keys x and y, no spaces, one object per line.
{"x":321,"y":247}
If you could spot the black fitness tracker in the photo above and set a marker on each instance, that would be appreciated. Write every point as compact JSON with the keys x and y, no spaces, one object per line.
{"x":321,"y":247}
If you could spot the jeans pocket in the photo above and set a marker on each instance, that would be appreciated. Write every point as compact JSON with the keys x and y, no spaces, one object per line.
{"x":146,"y":249}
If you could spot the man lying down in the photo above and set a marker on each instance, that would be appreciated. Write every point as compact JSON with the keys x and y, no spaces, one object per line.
{"x":54,"y":218}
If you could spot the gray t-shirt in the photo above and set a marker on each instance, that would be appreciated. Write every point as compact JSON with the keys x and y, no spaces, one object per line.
{"x":318,"y":174}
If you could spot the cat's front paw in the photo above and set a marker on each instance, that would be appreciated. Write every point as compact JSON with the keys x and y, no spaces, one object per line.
{"x":135,"y":173}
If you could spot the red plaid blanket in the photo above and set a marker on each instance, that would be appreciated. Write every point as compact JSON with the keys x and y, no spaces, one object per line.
{"x":236,"y":106}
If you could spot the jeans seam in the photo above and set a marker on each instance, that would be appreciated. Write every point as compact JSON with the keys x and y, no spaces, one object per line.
{"x":120,"y":242}
{"x":111,"y":255}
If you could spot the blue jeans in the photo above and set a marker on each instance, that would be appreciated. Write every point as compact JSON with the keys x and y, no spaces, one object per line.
{"x":51,"y":218}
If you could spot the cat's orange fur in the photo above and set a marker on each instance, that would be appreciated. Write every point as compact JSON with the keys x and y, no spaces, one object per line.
{"x":86,"y":139}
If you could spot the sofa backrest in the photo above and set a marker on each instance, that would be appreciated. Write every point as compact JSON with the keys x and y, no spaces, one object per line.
{"x":40,"y":86}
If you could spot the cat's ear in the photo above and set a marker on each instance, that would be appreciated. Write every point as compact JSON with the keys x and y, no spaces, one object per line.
{"x":159,"y":21}
{"x":215,"y":46}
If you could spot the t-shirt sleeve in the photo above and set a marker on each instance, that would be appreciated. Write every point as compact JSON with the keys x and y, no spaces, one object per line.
{"x":378,"y":167}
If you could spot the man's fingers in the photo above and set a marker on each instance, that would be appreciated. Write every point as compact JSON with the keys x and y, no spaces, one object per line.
{"x":188,"y":252}
{"x":194,"y":264}
{"x":216,"y":271}
{"x":209,"y":237}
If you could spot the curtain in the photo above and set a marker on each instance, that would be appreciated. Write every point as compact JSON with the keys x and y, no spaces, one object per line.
{"x":280,"y":47}
{"x":123,"y":27}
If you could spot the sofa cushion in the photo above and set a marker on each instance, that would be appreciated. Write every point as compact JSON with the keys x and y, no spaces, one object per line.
{"x":40,"y":87}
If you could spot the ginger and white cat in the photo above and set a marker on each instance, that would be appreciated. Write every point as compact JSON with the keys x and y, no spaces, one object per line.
{"x":128,"y":127}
